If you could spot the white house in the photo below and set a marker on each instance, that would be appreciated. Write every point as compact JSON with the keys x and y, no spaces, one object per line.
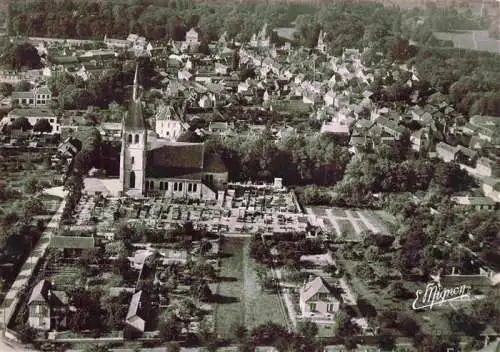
{"x":329,"y":98}
{"x":488,"y":167}
{"x":167,"y":124}
{"x":35,"y":98}
{"x":33,"y":115}
{"x":221,"y":69}
{"x":317,"y":300}
{"x":205,"y":102}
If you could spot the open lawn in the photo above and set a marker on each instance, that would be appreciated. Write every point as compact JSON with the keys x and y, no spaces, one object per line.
{"x":242,"y":302}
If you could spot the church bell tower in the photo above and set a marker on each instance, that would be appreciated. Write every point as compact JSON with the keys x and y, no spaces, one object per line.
{"x":134,"y":147}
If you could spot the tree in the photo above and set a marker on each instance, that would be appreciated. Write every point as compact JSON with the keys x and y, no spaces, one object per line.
{"x":23,"y":86}
{"x":27,"y":333}
{"x":6,"y":89}
{"x":270,"y":334}
{"x":25,"y":55}
{"x":33,"y":206}
{"x":344,"y":326}
{"x":308,"y":329}
{"x":241,"y":333}
{"x":42,"y":126}
{"x":21,"y":123}
{"x":31,"y":185}
{"x":386,"y":340}
{"x":169,"y":329}
{"x":97,"y":348}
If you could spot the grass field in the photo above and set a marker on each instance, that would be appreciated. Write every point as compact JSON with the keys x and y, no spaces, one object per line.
{"x":242,"y":302}
{"x":473,"y":40}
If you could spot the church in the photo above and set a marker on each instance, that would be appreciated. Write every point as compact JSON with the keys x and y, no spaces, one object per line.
{"x":152,"y":166}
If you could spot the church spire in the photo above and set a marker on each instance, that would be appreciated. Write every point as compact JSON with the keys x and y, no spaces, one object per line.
{"x":134,"y":94}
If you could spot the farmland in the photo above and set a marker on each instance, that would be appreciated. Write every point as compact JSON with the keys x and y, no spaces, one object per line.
{"x":242,"y":302}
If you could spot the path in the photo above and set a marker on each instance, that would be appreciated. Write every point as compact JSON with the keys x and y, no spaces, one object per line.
{"x":367,"y":222}
{"x":333,"y":220}
{"x":12,"y":296}
{"x":353,"y":221}
{"x":288,"y":302}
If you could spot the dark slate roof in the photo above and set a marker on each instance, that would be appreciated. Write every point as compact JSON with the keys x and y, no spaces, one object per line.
{"x":176,"y":160}
{"x":134,"y":120}
{"x":41,"y":292}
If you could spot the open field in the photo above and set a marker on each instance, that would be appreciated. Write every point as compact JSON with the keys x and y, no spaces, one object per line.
{"x":242,"y":300}
{"x":472,"y":40}
{"x":351,"y":222}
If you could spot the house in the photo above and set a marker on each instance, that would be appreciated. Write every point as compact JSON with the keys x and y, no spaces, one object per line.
{"x":391,"y":127}
{"x":488,"y":167}
{"x":168,"y":124}
{"x":111,"y":131}
{"x":338,"y":130}
{"x":69,"y":147}
{"x":173,"y":256}
{"x":47,"y":308}
{"x":317,"y":300}
{"x":478,"y":203}
{"x":220,"y":127}
{"x":466,"y":156}
{"x":321,"y":46}
{"x":419,"y":139}
{"x":244,"y":88}
{"x":33,"y":115}
{"x":138,"y":311}
{"x":221,"y":69}
{"x":139,"y":258}
{"x":446,"y":152}
{"x":184,"y":75}
{"x":205,"y":102}
{"x":486,"y":127}
{"x":285,"y":133}
{"x":192,"y":37}
{"x":37,"y":97}
{"x":491,"y":188}
{"x":192,"y":42}
{"x":329,"y":98}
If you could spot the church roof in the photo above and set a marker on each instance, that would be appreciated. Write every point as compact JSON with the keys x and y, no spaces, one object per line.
{"x":176,"y":160}
{"x":213,"y":163}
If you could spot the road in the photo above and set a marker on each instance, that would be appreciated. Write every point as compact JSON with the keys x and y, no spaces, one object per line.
{"x":9,"y":346}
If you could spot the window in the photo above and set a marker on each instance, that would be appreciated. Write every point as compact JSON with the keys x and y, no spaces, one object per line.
{"x":136,"y":138}
{"x":51,"y":120}
{"x":195,"y":186}
{"x":130,"y":138}
{"x":175,"y":186}
{"x":329,"y":308}
{"x":190,"y":187}
{"x":132,"y":160}
{"x":312,"y":307}
{"x":180,"y":186}
{"x":132,"y":179}
{"x":151,"y":185}
{"x":161,"y":186}
{"x":166,"y":186}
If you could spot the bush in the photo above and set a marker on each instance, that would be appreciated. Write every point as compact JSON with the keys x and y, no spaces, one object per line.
{"x":27,"y":334}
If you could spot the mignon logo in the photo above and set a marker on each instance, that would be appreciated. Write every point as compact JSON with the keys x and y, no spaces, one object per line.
{"x":435,"y":295}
